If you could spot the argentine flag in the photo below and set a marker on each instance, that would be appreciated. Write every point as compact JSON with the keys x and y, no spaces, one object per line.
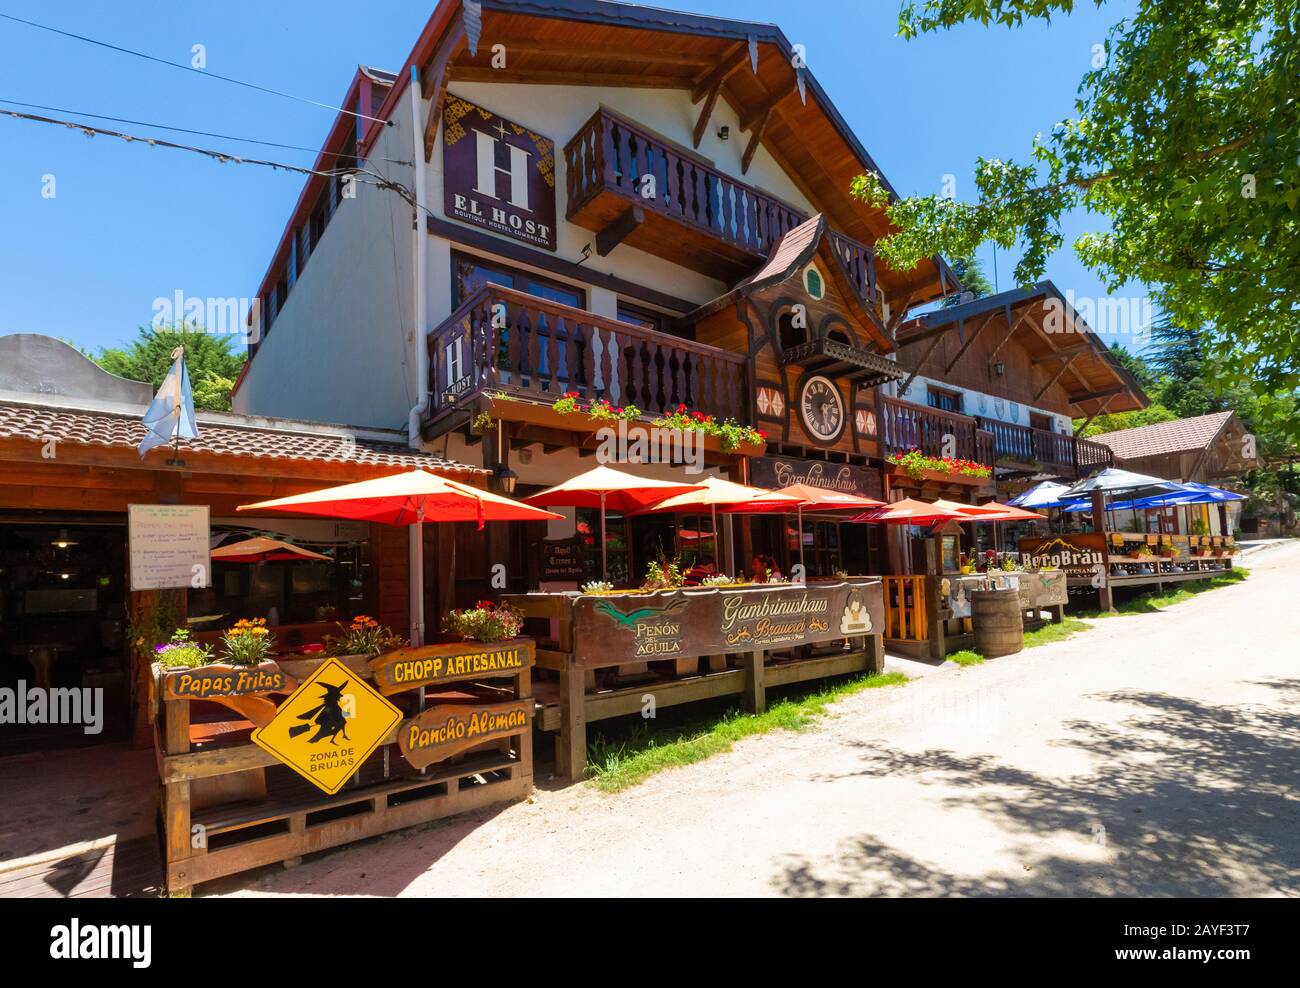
{"x":171,"y":415}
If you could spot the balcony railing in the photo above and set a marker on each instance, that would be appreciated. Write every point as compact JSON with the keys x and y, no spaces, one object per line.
{"x":505,"y":340}
{"x":910,"y":426}
{"x":1047,"y":451}
{"x":610,"y":153}
{"x":859,"y":263}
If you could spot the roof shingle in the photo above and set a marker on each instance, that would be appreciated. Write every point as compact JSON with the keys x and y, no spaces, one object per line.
{"x":1176,"y":436}
{"x":296,"y":441}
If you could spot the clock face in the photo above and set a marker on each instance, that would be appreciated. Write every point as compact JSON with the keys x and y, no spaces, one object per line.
{"x":821,"y":407}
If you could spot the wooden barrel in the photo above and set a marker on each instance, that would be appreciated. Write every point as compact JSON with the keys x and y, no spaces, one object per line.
{"x":999,"y":629}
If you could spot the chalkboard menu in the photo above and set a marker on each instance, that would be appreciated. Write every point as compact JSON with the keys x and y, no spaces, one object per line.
{"x":562,"y":559}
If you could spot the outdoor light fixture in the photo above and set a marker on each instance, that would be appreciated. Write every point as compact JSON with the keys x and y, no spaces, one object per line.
{"x":724,"y":132}
{"x":507,"y":478}
{"x":999,"y":368}
{"x":61,"y":541}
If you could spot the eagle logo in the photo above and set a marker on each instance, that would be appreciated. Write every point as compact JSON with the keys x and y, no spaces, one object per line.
{"x":630,"y":619}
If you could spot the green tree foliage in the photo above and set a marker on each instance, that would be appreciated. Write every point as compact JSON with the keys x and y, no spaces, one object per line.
{"x":973,"y":280}
{"x":1185,"y":139}
{"x":212,"y":363}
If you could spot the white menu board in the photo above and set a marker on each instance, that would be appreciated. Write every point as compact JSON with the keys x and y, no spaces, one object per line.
{"x":169,"y":546}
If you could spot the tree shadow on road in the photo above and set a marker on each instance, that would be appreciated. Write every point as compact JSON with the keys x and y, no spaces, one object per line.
{"x":1186,"y":798}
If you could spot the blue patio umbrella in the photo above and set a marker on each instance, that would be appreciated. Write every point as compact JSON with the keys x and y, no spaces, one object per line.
{"x":1044,"y":495}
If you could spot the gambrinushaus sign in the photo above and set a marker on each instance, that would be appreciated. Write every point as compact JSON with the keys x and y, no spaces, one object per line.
{"x":687,"y":623}
{"x":497,"y":174}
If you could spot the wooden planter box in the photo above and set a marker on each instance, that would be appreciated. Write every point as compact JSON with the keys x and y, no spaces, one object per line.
{"x":938,"y":477}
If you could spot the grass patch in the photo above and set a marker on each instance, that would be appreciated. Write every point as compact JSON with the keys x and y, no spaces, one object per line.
{"x":1049,"y":633}
{"x":622,"y":761}
{"x":965,"y":657}
{"x":1157,"y":600}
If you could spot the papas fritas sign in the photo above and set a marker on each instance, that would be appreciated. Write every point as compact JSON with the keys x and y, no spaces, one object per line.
{"x":497,"y":174}
{"x":449,"y":729}
{"x":223,"y":680}
{"x":688,"y":623}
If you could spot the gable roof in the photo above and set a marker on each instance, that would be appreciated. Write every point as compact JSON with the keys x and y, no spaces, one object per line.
{"x":793,"y":252}
{"x":1094,"y":380}
{"x":1176,"y":436}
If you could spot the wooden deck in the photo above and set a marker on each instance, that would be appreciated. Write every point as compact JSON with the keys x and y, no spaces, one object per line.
{"x":79,"y":823}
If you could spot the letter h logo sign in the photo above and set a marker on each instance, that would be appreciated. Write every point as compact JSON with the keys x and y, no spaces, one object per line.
{"x":488,"y":168}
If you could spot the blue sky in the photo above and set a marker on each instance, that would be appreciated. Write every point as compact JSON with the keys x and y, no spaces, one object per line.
{"x":130,"y":223}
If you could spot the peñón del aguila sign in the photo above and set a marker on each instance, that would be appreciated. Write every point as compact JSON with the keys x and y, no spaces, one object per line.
{"x":686,"y":623}
{"x":497,"y":174}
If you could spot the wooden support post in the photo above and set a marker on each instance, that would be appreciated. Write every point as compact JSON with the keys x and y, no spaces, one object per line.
{"x":754,"y":698}
{"x":1105,"y":599}
{"x":875,"y":646}
{"x":176,"y":798}
{"x":571,"y":748}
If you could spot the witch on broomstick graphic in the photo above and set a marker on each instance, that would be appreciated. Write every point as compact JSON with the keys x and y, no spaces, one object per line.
{"x":328,"y":717}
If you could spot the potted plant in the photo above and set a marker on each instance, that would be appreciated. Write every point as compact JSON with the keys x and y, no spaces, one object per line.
{"x":598,"y":587}
{"x":1141,"y":551}
{"x":964,"y":564}
{"x":363,"y":637}
{"x":181,"y":652}
{"x":486,"y":622}
{"x":664,"y":575}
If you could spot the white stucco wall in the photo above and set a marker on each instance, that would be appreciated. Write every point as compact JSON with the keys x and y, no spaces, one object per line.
{"x":342,"y":349}
{"x":983,"y":405}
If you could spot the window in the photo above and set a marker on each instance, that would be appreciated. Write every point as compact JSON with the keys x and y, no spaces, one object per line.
{"x":469,"y":274}
{"x":640,"y":317}
{"x":812,"y":282}
{"x":944,"y":400}
{"x":790,"y":334}
{"x":1046,"y":423}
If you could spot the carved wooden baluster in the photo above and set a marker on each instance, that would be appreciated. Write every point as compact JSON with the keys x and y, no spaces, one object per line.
{"x":555,"y":374}
{"x":610,"y":383}
{"x":679,"y":389}
{"x":532,"y":353}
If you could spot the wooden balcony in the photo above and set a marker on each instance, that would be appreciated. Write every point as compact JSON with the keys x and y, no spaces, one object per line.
{"x":502,"y":340}
{"x":697,"y":216}
{"x":1041,"y":451}
{"x":906,"y":425}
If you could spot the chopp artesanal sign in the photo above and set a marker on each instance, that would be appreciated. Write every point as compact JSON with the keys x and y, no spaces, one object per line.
{"x":497,"y":174}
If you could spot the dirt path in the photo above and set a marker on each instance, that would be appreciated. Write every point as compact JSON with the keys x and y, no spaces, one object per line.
{"x":1155,"y":755}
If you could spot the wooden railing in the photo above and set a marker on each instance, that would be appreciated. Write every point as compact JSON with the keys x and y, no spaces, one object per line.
{"x":859,"y":263}
{"x":910,"y":426}
{"x":1064,"y":454}
{"x":505,"y":340}
{"x":610,"y":153}
{"x":905,"y":611}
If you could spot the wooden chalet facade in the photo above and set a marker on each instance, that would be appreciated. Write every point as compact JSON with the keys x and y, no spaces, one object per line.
{"x":652,"y":209}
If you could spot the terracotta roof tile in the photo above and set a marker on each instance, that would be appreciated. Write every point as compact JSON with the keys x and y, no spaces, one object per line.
{"x":293,"y":441}
{"x":1175,"y":436}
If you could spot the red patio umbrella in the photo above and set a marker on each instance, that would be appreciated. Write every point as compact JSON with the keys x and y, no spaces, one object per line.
{"x":605,"y":487}
{"x":813,"y":498}
{"x":910,"y":511}
{"x":259,"y":549}
{"x":410,"y":498}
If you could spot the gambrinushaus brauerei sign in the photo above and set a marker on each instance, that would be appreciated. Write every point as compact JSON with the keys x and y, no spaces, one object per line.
{"x":497,"y":174}
{"x":687,"y":623}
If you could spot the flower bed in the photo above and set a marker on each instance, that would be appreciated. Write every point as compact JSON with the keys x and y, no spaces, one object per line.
{"x":730,"y":433}
{"x":599,"y":409}
{"x":917,"y":465}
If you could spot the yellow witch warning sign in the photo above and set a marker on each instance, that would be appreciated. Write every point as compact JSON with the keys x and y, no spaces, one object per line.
{"x":328,"y":726}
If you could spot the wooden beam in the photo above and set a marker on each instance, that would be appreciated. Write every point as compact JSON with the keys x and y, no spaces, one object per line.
{"x":706,"y":111}
{"x":566,"y":77}
{"x":751,"y":119}
{"x":754,"y":139}
{"x":1069,"y":353}
{"x":521,"y":45}
{"x":1094,"y":395}
{"x":714,"y":77}
{"x":1057,"y":376}
{"x":619,"y":229}
{"x":435,"y":85}
{"x":961,"y":351}
{"x":1007,"y":335}
{"x":920,"y":363}
{"x":1100,"y":409}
